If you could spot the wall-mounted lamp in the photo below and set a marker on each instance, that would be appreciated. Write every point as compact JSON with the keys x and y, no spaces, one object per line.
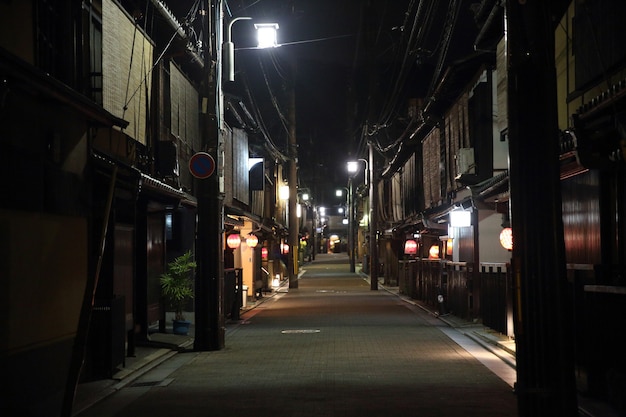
{"x":460,"y":218}
{"x":283,"y":192}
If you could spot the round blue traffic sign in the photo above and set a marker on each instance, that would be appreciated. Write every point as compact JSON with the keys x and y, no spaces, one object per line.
{"x":201,"y":165}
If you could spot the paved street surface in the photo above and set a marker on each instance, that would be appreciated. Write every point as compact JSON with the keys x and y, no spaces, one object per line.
{"x":331,"y":347}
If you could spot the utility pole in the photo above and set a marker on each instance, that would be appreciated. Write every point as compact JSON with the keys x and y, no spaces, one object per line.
{"x":543,"y":327}
{"x":294,"y":243}
{"x":351,"y":226}
{"x":373,"y":220}
{"x":209,"y":282}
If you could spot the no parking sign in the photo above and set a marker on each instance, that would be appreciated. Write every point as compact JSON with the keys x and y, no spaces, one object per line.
{"x":202,"y":165}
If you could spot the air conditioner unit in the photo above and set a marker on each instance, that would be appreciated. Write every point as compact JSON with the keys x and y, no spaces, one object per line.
{"x":465,"y":162}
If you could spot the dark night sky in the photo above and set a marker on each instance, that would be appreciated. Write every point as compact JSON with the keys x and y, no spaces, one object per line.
{"x":321,"y":37}
{"x":334,"y":91}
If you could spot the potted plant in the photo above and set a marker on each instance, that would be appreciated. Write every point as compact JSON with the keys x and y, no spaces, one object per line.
{"x":177,"y":287}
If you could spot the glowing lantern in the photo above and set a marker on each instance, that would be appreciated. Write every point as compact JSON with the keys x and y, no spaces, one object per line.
{"x":264,"y":254}
{"x":410,"y":247}
{"x":284,"y":248}
{"x":252,"y":241}
{"x":506,"y":238}
{"x":433,"y":252}
{"x":233,"y":241}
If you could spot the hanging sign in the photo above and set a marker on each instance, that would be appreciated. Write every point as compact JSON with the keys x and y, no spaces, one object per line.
{"x":201,"y":165}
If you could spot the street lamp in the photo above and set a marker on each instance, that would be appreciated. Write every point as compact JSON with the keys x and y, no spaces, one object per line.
{"x":353,"y":168}
{"x":267,"y":35}
{"x":266,"y":38}
{"x":350,"y":223}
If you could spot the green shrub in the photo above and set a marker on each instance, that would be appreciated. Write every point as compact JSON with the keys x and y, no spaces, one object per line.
{"x":177,"y":283}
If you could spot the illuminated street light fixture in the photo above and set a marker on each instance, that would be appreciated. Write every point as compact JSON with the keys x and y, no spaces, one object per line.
{"x":353,"y":168}
{"x":266,"y":38}
{"x":267,"y":35}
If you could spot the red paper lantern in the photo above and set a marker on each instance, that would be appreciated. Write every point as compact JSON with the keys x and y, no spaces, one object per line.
{"x":264,"y":254}
{"x":233,"y":241}
{"x":410,"y":247}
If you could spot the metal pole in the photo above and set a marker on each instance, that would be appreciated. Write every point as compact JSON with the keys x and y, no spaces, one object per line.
{"x":293,"y":184}
{"x":373,"y":221}
{"x":351,"y":226}
{"x":228,"y":49}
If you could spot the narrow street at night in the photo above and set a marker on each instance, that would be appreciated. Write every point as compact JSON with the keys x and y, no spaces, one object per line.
{"x":331,"y":347}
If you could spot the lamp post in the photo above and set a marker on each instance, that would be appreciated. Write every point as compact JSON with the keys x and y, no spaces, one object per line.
{"x":228,"y":49}
{"x":350,"y":222}
{"x":353,"y":167}
{"x":373,"y":220}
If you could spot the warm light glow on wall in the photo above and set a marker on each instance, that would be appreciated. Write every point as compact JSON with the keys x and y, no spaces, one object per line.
{"x":506,"y":238}
{"x":410,"y":247}
{"x":233,"y":241}
{"x":283,"y":192}
{"x":433,"y":252}
{"x":252,"y":241}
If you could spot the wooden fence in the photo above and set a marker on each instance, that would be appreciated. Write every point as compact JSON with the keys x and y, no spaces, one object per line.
{"x":450,"y":288}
